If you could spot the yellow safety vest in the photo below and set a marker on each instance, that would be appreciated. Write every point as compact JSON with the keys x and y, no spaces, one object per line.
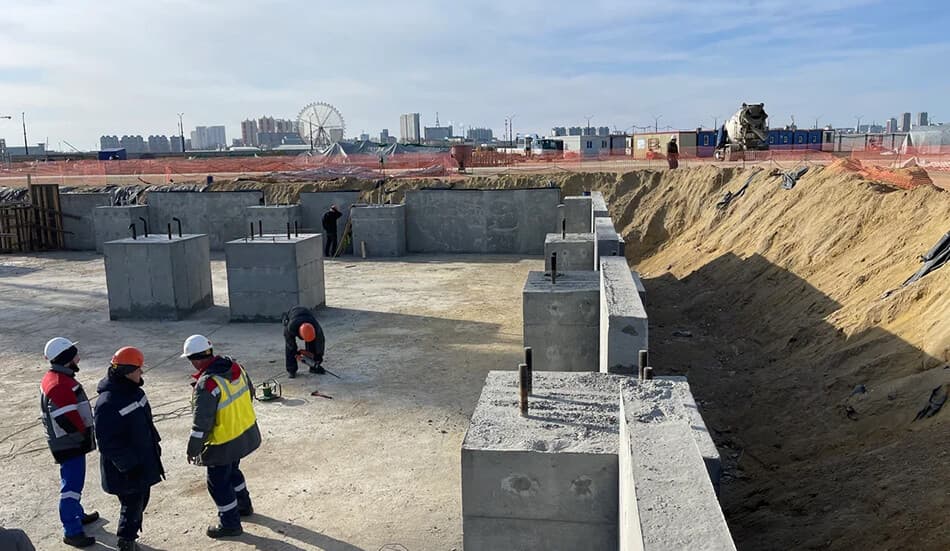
{"x":235,"y":412}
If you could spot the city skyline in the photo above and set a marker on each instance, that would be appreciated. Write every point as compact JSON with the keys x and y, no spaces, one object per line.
{"x":63,"y":70}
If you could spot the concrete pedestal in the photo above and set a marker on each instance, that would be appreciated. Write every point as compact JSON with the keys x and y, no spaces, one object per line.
{"x":575,"y":251}
{"x":112,"y":223}
{"x":158,"y":278}
{"x":381,"y":229}
{"x":577,"y":214}
{"x":546,"y":481}
{"x":273,"y":218}
{"x":267,"y":276}
{"x":562,"y":321}
{"x":607,"y":242}
{"x":78,"y":219}
{"x":623,"y":319}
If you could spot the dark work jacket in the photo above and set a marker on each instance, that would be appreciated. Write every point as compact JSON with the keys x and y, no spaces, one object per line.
{"x":293,"y":319}
{"x":128,"y":440}
{"x":672,"y":148}
{"x":205,"y":406}
{"x":67,"y":415}
{"x":329,"y":220}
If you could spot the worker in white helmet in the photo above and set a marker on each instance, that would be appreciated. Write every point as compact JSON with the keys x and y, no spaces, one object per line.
{"x":673,"y":153}
{"x":224,"y":431}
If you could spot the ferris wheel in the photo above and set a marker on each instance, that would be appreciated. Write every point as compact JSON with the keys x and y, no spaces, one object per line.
{"x":320,"y":124}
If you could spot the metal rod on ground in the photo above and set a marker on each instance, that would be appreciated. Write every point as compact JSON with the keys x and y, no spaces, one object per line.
{"x":528,"y":361}
{"x":132,"y":227}
{"x":144,"y":225}
{"x":644,"y":359}
{"x":169,"y":231}
{"x":178,"y":221}
{"x":553,"y":268}
{"x":523,"y":388}
{"x":647,"y":373}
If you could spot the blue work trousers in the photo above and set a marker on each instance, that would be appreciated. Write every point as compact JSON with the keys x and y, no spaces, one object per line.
{"x":72,"y":476}
{"x":229,"y":491}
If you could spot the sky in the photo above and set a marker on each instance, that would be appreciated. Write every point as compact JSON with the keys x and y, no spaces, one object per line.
{"x":79,"y":69}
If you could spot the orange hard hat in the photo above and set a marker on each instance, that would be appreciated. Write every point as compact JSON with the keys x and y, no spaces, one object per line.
{"x":307,"y":332}
{"x":128,"y":355}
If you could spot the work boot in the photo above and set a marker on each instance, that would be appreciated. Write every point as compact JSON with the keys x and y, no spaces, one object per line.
{"x":127,"y":545}
{"x":291,"y":374}
{"x":219,"y":531}
{"x":246,"y":511}
{"x":89,"y":518}
{"x":79,"y":540}
{"x":317,"y":369}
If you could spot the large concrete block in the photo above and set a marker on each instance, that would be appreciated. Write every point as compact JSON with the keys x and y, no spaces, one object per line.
{"x":267,"y":276}
{"x":274,"y":218}
{"x":480,"y":221}
{"x":79,"y":220}
{"x":219,"y":214}
{"x":314,"y":204}
{"x":577,"y":214}
{"x":112,"y":223}
{"x":666,"y":499}
{"x":562,"y":321}
{"x":381,"y":229}
{"x":623,"y":319}
{"x":607,"y":242}
{"x":158,"y":278}
{"x":598,"y":207}
{"x":554,"y":470}
{"x":575,"y":251}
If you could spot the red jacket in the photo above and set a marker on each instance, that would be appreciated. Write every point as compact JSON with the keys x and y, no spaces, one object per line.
{"x":67,"y":414}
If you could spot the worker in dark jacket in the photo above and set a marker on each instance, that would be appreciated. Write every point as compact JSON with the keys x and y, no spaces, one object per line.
{"x":223,"y":432}
{"x":299,"y":322}
{"x":128,"y":442}
{"x":673,"y":153}
{"x":67,"y":418}
{"x":329,"y":226}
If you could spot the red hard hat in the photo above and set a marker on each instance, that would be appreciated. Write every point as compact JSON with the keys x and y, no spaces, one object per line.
{"x":307,"y":332}
{"x":128,"y":355}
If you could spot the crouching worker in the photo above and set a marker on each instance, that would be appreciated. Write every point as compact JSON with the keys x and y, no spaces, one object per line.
{"x":223,"y":432}
{"x":299,"y":322}
{"x":128,"y":442}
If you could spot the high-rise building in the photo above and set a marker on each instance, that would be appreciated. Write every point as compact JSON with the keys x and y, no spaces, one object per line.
{"x":175,"y":143}
{"x":438,"y":133}
{"x":266,"y":124}
{"x":891,"y":125}
{"x":209,"y":137}
{"x":922,"y":119}
{"x":364,"y":137}
{"x":249,"y":132}
{"x":108,"y":142}
{"x":480,"y":135}
{"x":409,"y":128}
{"x":133,"y":144}
{"x":558,"y":131}
{"x":603,"y":131}
{"x":159,"y":144}
{"x":575,"y":131}
{"x":905,"y":122}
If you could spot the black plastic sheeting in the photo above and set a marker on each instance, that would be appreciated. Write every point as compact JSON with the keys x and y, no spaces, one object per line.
{"x":730,"y":196}
{"x":937,"y":256}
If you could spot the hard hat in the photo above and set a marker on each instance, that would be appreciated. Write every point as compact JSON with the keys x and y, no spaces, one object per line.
{"x":673,"y":138}
{"x":307,"y":332}
{"x":195,"y":344}
{"x":56,"y":346}
{"x":128,"y":355}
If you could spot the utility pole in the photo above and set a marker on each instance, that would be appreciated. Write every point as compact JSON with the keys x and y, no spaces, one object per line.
{"x":181,"y":132}
{"x":26,"y":146}
{"x":656,"y":123}
{"x":816,"y":121}
{"x":588,"y":117}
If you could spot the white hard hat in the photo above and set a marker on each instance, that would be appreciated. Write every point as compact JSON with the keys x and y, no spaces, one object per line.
{"x":195,"y":344}
{"x":673,"y":137}
{"x":56,"y":346}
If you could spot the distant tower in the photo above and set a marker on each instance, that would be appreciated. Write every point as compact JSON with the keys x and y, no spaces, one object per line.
{"x":922,"y":118}
{"x":905,"y":122}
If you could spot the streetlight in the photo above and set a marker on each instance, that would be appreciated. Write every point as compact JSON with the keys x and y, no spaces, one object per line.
{"x":26,"y":146}
{"x":181,"y":132}
{"x":816,"y":121}
{"x":716,"y":122}
{"x":857,"y":128}
{"x":588,"y":117}
{"x":656,"y":122}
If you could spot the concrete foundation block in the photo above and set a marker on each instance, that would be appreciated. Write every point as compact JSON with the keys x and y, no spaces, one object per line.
{"x":607,"y":242}
{"x":577,"y":214}
{"x":562,"y":321}
{"x":219,"y":214}
{"x":598,"y":207}
{"x":575,"y":251}
{"x":273,"y":219}
{"x":382,"y":228}
{"x":112,"y":223}
{"x":158,"y":278}
{"x":267,"y":276}
{"x":79,"y":219}
{"x":314,"y":204}
{"x":623,"y":319}
{"x":666,"y":499}
{"x":554,"y":470}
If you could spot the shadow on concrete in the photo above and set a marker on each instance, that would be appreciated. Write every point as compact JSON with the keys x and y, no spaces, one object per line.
{"x":48,"y":289}
{"x":448,"y":258}
{"x":14,"y":271}
{"x":808,"y":419}
{"x":299,"y":533}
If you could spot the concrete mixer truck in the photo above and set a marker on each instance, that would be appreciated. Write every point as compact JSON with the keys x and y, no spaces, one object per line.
{"x":747,"y":130}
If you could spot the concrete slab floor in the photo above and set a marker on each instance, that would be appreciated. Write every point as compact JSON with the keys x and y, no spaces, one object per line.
{"x":413,"y":340}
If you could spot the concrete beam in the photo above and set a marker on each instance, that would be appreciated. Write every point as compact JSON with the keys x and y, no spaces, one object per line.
{"x":607,"y":242}
{"x":623,"y":319}
{"x":598,"y":207}
{"x":81,"y":232}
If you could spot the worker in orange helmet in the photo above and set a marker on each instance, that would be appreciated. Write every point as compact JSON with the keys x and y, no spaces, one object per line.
{"x":299,"y":322}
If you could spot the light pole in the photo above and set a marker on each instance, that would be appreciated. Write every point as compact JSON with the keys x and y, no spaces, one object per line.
{"x":181,"y":132}
{"x":26,"y":146}
{"x":716,"y":122}
{"x":656,"y":123}
{"x":588,"y":117}
{"x":816,"y":121}
{"x":857,"y":128}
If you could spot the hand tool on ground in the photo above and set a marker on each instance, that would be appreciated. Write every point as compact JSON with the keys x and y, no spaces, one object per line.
{"x":321,"y":395}
{"x":304,"y":357}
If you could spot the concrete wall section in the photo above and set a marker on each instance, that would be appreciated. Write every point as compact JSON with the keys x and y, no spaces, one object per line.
{"x":382,"y":228}
{"x":666,"y":500}
{"x":158,"y":278}
{"x":314,"y":204}
{"x":111,"y":223}
{"x":623,"y":319}
{"x":531,"y":482}
{"x":219,"y":214}
{"x":267,"y":276}
{"x":481,"y":221}
{"x":607,"y":242}
{"x":274,"y":218}
{"x":598,"y":207}
{"x":577,"y":213}
{"x":81,"y":232}
{"x":562,"y":321}
{"x":575,"y":251}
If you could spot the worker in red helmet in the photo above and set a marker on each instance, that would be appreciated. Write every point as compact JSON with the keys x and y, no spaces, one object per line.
{"x":67,"y":417}
{"x":300,"y":323}
{"x":128,"y":442}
